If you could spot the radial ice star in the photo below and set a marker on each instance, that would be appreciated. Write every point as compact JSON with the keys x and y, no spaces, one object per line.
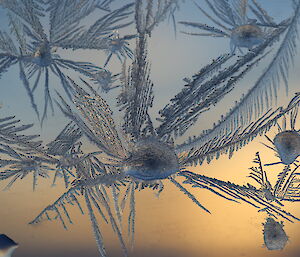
{"x":274,"y":236}
{"x":105,"y":79}
{"x":7,"y":246}
{"x":118,"y":46}
{"x":42,"y":56}
{"x":232,"y":21}
{"x":32,"y":45}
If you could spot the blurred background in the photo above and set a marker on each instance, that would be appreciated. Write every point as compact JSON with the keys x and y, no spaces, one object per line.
{"x":171,"y":225}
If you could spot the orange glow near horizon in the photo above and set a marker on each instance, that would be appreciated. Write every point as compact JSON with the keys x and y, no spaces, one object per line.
{"x":171,"y":225}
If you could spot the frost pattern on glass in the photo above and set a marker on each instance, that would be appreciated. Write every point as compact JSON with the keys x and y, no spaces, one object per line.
{"x":140,"y":155}
{"x":275,"y":237}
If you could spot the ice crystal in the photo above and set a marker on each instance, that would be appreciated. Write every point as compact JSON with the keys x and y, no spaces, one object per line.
{"x":106,"y":80}
{"x":119,"y":46}
{"x":233,"y":22}
{"x":235,"y":139}
{"x":286,"y":187}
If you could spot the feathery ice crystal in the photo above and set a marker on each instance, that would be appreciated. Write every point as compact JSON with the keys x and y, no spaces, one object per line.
{"x":286,"y":187}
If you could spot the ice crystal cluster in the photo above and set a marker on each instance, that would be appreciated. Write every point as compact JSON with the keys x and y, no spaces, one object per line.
{"x":144,"y":153}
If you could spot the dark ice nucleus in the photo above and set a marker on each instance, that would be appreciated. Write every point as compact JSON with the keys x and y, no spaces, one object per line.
{"x":247,"y":36}
{"x":287,"y":144}
{"x":274,"y":236}
{"x":151,"y":159}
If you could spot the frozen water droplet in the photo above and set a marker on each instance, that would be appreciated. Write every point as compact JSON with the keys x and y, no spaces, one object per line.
{"x":274,"y":236}
{"x":152,"y":159}
{"x":287,"y":144}
{"x":247,"y":36}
